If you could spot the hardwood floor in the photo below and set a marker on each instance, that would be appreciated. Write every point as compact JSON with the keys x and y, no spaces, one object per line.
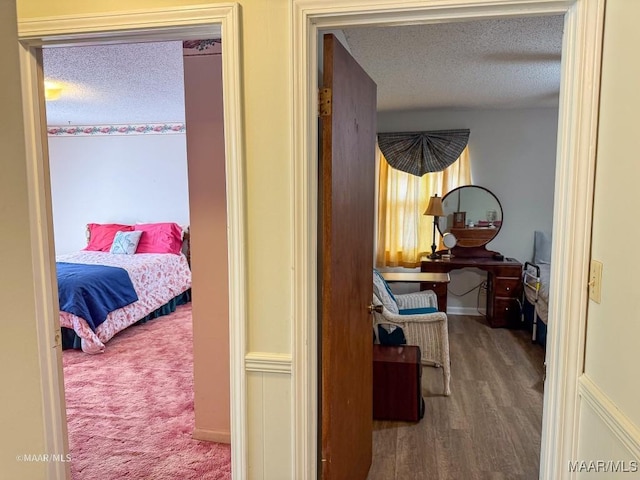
{"x":490,"y":426}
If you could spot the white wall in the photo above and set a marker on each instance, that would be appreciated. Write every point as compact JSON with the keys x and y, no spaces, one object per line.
{"x":116,"y":179}
{"x":513,"y":154}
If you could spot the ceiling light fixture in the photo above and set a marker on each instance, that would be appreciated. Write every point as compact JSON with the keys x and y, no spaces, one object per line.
{"x":52,"y":90}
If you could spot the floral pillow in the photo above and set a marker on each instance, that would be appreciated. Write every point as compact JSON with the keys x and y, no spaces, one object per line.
{"x":126,"y":242}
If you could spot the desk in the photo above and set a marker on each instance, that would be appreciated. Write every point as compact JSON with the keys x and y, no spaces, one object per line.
{"x":428,"y":281}
{"x":504,"y":284}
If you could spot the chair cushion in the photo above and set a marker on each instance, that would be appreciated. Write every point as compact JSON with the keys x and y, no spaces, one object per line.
{"x":418,"y":311}
{"x":383,"y":292}
{"x":391,"y":335}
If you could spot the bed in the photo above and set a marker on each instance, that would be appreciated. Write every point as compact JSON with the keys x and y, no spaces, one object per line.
{"x":536,"y":275}
{"x":160,"y":281}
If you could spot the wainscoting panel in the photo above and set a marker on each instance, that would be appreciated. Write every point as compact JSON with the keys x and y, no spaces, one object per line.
{"x":269,"y":416}
{"x":268,"y":362}
{"x":607,"y":437}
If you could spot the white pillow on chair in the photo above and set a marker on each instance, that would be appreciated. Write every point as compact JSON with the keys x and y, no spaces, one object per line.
{"x":383,"y":292}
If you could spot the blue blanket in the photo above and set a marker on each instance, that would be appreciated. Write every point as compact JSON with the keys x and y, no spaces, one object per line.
{"x":93,"y":291}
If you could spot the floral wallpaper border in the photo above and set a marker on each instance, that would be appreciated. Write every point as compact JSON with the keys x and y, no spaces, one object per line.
{"x":133,"y":129}
{"x":191,"y":48}
{"x":201,"y":44}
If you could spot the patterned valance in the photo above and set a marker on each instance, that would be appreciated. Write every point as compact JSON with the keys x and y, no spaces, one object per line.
{"x":418,"y":153}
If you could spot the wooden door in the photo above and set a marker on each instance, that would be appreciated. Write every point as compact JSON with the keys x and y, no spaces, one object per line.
{"x":346,"y":216}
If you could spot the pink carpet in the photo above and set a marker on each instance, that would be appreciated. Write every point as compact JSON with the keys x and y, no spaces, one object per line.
{"x":130,"y":410}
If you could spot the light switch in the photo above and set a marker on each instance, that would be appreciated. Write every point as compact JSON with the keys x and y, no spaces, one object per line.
{"x":595,"y":281}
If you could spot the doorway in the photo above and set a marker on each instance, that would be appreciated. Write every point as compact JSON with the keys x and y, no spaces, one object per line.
{"x":573,"y":194}
{"x":175,"y":25}
{"x":118,"y":148}
{"x":429,"y":63}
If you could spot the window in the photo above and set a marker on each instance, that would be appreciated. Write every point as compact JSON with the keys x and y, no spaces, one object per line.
{"x":404,"y":234}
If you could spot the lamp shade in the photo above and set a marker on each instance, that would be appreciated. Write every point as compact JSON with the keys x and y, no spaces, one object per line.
{"x":435,"y":207}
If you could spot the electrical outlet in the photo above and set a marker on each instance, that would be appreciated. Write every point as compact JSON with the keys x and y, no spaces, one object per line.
{"x":595,"y":281}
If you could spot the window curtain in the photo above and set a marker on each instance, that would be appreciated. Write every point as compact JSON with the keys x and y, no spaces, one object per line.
{"x":404,"y":234}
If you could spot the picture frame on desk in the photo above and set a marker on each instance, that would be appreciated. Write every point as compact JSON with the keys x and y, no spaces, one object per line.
{"x":459,"y":219}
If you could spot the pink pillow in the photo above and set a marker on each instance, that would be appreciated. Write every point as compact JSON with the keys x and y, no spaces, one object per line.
{"x":101,"y":235}
{"x":159,"y":238}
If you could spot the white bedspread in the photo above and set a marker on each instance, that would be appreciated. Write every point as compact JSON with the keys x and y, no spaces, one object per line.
{"x":542,"y":306}
{"x":157,"y":278}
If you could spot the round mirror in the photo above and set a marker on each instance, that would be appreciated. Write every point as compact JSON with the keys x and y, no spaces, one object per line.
{"x":449,"y":240}
{"x":473,"y":214}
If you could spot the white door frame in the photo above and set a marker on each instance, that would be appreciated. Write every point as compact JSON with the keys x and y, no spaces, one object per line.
{"x":182,"y":23}
{"x":575,"y":166}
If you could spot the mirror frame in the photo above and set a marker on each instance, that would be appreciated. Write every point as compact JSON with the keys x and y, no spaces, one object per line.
{"x":482,"y":243}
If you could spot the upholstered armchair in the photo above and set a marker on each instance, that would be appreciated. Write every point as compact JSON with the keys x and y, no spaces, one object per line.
{"x":416,"y":314}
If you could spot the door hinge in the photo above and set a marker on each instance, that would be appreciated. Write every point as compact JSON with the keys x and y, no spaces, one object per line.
{"x":324,"y":102}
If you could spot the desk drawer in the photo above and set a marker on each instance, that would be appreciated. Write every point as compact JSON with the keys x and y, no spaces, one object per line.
{"x":506,"y":311}
{"x":508,"y":271}
{"x":439,"y":288}
{"x":507,"y":287}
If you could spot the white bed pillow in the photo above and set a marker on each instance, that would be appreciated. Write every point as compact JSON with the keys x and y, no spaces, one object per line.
{"x":541,"y":247}
{"x":126,"y":242}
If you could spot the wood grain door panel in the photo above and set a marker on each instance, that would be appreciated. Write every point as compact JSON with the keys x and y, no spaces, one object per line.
{"x":346,"y":217}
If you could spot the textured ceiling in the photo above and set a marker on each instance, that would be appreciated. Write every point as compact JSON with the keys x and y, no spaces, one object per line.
{"x":133,"y":83}
{"x":481,"y":64}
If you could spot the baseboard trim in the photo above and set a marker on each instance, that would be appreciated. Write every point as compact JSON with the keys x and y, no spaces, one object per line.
{"x":471,"y":311}
{"x":211,"y":435}
{"x":268,"y":362}
{"x":622,"y":427}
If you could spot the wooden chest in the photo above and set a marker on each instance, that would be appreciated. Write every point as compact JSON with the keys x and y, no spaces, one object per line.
{"x":397,"y":389}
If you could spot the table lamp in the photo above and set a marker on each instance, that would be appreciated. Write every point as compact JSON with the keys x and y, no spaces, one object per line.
{"x":435,"y":210}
